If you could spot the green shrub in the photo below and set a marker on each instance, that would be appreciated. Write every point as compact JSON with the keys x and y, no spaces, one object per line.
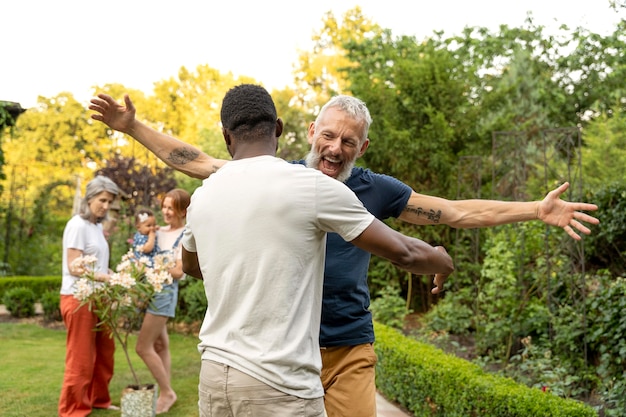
{"x":389,"y":308}
{"x":38,"y":285}
{"x":191,"y":301}
{"x":20,"y":302}
{"x":607,"y":327}
{"x":603,"y":247}
{"x":50,"y":303}
{"x":5,"y":269}
{"x":451,"y":315}
{"x":430,"y":383}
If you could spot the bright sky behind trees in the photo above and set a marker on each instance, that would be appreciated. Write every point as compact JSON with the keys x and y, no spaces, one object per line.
{"x":71,"y":45}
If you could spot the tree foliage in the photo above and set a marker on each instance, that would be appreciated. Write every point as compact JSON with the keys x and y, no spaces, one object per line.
{"x":435,"y":102}
{"x":322,"y":72}
{"x":55,"y":141}
{"x":141,"y":186}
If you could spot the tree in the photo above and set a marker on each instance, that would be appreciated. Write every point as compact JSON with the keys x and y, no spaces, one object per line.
{"x":322,"y":72}
{"x":420,"y":113}
{"x":54,"y":141}
{"x":592,"y":74}
{"x":605,"y":136}
{"x":9,"y":112}
{"x":141,"y":185}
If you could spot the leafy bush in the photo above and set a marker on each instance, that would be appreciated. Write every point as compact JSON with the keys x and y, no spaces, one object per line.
{"x":51,"y":305}
{"x":20,"y":302}
{"x":5,"y":269}
{"x":537,"y":367}
{"x":192,"y":302}
{"x":602,"y":247}
{"x":607,"y":327}
{"x":511,"y":299}
{"x":38,"y":285}
{"x":451,"y":314}
{"x":389,"y":308}
{"x":431,"y":383}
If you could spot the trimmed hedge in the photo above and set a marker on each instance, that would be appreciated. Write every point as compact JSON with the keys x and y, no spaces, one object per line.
{"x":20,"y":302}
{"x":39,"y":285}
{"x":430,"y":382}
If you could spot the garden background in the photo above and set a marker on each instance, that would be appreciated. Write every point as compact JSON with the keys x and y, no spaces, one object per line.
{"x":507,"y":114}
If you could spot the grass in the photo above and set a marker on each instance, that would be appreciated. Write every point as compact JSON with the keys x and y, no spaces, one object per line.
{"x":32,"y":372}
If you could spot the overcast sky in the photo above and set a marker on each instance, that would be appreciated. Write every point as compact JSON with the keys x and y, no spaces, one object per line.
{"x":52,"y":46}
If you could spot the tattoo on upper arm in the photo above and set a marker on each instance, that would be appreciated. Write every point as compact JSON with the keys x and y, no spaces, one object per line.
{"x":432,"y":215}
{"x":181,"y":156}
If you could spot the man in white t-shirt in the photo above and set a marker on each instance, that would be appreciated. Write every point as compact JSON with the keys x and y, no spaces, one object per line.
{"x":256,"y":233}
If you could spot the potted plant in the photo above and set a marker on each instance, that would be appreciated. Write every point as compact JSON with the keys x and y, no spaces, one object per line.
{"x":119,"y":304}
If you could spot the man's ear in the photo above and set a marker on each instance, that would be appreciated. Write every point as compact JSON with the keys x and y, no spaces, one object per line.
{"x":279,"y":127}
{"x":227,"y":140}
{"x":311,"y":133}
{"x":364,"y":147}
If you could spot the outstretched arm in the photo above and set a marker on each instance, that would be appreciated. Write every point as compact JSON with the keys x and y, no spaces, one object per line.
{"x":174,"y":152}
{"x":408,"y":253}
{"x":552,"y":210}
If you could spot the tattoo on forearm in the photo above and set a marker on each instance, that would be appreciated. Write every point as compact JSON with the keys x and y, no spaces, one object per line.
{"x":181,"y":156}
{"x":432,"y":215}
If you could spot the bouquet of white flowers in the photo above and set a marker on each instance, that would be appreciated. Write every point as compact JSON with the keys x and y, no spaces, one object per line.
{"x":121,"y":300}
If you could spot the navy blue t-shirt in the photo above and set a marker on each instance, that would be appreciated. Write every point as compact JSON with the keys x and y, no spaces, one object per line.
{"x":346,"y":320}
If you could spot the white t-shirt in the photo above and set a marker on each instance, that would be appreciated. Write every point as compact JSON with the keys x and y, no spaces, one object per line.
{"x":166,"y":238}
{"x":259,"y":226}
{"x":89,"y":238}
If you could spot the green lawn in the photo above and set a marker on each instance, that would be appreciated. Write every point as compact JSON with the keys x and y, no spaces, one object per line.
{"x":31,"y":372}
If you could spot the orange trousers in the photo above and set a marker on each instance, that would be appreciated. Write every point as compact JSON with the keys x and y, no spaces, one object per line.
{"x":88,"y":361}
{"x":348,"y":377}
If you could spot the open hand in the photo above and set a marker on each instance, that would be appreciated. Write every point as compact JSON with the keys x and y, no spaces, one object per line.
{"x":113,"y":114}
{"x":556,"y":212}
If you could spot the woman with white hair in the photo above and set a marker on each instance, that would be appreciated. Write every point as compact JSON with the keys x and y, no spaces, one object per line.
{"x":89,"y":353}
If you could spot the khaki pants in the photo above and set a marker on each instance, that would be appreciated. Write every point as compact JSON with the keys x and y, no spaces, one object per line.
{"x":225,"y":391}
{"x":348,"y":377}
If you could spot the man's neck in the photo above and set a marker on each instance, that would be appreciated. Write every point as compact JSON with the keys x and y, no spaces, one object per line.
{"x":253,"y":150}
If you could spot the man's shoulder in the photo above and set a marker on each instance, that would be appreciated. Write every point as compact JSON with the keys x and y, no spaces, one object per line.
{"x":367,"y":175}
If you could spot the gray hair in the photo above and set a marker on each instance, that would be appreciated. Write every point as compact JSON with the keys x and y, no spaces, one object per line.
{"x":95,"y":187}
{"x":353,"y":106}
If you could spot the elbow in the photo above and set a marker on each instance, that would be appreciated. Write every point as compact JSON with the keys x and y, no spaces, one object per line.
{"x":192,"y":272}
{"x":188,"y":270}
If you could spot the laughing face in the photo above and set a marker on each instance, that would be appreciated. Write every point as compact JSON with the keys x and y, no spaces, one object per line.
{"x":336,"y":142}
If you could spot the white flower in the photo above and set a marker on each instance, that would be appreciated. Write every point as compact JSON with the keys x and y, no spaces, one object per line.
{"x":145,"y":261}
{"x":115,"y":301}
{"x":126,"y":301}
{"x":86,"y":262}
{"x":83,"y":289}
{"x":158,"y":278}
{"x":164,"y":262}
{"x":122,"y":279}
{"x":123,"y":266}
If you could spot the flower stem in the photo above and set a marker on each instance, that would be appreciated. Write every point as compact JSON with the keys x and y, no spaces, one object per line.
{"x":124,"y":342}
